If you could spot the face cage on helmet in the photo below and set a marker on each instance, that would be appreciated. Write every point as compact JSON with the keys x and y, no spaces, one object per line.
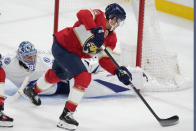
{"x":31,"y":66}
{"x":118,"y":23}
{"x":29,"y":59}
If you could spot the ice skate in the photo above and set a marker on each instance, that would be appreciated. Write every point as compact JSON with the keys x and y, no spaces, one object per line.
{"x":66,"y":121}
{"x":5,"y":121}
{"x":30,"y":94}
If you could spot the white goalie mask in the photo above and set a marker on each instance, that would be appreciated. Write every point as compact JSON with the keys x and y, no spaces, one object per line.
{"x":26,"y":53}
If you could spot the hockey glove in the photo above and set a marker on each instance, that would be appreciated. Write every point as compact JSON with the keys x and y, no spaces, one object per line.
{"x":92,"y":45}
{"x":98,"y":36}
{"x":123,"y":75}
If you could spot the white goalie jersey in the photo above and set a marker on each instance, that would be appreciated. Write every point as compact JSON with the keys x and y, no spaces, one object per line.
{"x":17,"y":73}
{"x":102,"y":82}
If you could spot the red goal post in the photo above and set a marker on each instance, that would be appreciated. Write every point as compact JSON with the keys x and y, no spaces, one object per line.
{"x":56,"y":15}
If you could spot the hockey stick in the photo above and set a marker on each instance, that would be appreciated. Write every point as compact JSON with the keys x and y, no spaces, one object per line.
{"x":163,"y":122}
{"x":18,"y":93}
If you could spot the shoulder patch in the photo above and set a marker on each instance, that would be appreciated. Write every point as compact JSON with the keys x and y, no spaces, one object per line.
{"x":7,"y":60}
{"x":46,"y":59}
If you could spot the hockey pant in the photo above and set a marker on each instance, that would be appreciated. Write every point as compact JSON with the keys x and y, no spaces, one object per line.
{"x":66,"y":64}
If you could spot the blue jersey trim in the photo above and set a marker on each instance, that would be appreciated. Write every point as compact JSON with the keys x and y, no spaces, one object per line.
{"x":113,"y":87}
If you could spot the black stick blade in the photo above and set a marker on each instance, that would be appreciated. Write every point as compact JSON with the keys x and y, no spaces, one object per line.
{"x":169,"y":121}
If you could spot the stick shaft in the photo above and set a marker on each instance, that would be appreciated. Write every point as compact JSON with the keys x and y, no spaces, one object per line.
{"x":134,"y":88}
{"x":17,"y":94}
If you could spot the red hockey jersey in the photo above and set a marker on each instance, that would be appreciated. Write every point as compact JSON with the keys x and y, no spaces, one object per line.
{"x":72,"y":38}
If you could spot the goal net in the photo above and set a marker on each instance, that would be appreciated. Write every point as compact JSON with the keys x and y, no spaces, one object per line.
{"x":160,"y":64}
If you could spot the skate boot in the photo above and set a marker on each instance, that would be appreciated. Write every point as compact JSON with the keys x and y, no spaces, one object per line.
{"x":30,"y":94}
{"x":67,"y":121}
{"x":5,"y":121}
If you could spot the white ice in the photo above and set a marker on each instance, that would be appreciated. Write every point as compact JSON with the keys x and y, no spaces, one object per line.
{"x":33,"y":21}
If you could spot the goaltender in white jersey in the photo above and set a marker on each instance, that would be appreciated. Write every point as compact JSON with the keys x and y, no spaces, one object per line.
{"x":16,"y":71}
{"x":29,"y":63}
{"x":26,"y":62}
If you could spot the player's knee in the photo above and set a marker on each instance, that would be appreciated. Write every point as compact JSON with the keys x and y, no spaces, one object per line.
{"x":51,"y":77}
{"x":82,"y":80}
{"x":2,"y":75}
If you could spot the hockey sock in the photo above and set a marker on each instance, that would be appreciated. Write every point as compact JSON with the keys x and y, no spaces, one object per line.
{"x":46,"y":81}
{"x":2,"y":85}
{"x":51,"y":77}
{"x":37,"y":90}
{"x":82,"y":81}
{"x":1,"y":102}
{"x":74,"y":98}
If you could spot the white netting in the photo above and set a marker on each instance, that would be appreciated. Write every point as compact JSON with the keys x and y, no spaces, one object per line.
{"x":160,"y":64}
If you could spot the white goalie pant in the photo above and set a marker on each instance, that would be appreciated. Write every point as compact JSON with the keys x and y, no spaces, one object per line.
{"x":103,"y":83}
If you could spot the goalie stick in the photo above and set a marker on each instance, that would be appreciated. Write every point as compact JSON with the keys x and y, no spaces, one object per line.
{"x":163,"y":122}
{"x":18,"y":93}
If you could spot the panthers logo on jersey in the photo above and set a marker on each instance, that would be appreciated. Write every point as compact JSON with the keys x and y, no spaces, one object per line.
{"x":90,"y":48}
{"x":86,"y":39}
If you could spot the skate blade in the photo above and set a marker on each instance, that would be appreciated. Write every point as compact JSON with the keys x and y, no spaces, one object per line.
{"x":70,"y":127}
{"x":6,"y":124}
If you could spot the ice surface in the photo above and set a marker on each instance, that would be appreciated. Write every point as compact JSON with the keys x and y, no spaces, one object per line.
{"x":33,"y":21}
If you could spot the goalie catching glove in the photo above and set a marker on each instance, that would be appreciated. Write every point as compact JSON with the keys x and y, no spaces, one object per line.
{"x":92,"y":45}
{"x":123,"y":75}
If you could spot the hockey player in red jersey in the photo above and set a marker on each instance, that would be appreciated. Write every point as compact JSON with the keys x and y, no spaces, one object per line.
{"x":93,"y":31}
{"x":5,"y":121}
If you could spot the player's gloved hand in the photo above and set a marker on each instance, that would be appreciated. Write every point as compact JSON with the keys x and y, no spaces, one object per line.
{"x":123,"y":75}
{"x":98,"y":33}
{"x":92,"y":45}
